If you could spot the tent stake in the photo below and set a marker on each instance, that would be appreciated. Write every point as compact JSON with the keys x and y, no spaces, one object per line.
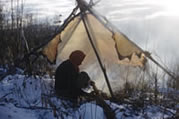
{"x":97,"y":55}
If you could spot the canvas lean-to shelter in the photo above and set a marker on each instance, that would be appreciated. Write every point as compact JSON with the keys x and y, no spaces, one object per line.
{"x":105,"y":46}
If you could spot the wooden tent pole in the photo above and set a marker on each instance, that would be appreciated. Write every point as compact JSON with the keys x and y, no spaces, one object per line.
{"x":99,"y":60}
{"x":93,"y":46}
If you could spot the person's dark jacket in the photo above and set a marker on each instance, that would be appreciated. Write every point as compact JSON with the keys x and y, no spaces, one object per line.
{"x":66,"y":80}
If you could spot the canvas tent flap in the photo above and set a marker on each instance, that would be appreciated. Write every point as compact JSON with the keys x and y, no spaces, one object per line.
{"x":60,"y":40}
{"x":128,"y":52}
{"x":124,"y":47}
{"x":50,"y":51}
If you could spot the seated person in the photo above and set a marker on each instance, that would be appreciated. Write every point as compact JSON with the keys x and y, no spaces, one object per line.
{"x":68,"y":79}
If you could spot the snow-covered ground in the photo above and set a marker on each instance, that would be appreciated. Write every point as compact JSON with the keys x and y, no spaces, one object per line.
{"x":24,"y":97}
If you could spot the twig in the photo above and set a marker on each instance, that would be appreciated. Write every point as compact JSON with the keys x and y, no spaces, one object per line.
{"x":34,"y":107}
{"x":5,"y":96}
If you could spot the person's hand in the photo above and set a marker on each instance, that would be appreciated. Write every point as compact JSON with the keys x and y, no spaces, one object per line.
{"x":92,"y":83}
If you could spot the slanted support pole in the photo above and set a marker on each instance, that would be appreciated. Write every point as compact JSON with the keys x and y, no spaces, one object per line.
{"x":93,"y":46}
{"x":99,"y":60}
